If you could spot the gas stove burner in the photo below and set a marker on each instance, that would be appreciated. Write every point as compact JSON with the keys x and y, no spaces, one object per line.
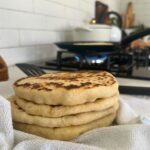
{"x":92,"y":60}
{"x":116,"y":63}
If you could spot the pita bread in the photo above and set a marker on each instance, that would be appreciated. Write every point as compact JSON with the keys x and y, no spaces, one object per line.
{"x":66,"y":133}
{"x":73,"y":120}
{"x":67,"y":88}
{"x":59,"y":111}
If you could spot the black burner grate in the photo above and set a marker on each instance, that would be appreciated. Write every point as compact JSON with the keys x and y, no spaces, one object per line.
{"x":117,"y":63}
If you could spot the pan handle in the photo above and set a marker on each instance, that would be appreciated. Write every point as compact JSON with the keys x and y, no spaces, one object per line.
{"x":127,"y":40}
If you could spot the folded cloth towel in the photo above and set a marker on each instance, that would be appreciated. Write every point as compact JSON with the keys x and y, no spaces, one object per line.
{"x":6,"y":128}
{"x":132,"y":110}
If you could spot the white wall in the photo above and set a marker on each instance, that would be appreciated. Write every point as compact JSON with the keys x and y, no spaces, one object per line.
{"x":113,"y":4}
{"x":25,"y":25}
{"x":141,"y":9}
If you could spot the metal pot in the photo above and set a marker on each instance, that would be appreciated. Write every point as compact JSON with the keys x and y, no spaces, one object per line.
{"x":97,"y":33}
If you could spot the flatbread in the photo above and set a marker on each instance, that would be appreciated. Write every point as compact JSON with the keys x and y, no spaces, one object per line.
{"x":66,"y":133}
{"x":59,"y":111}
{"x":67,"y":88}
{"x":72,"y":120}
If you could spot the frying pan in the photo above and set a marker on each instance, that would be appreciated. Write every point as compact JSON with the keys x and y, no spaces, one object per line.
{"x":102,"y":47}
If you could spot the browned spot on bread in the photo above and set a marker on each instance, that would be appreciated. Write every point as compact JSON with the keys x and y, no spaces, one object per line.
{"x":71,"y":86}
{"x":36,"y":86}
{"x":45,"y":89}
{"x":24,"y":85}
{"x":67,"y":80}
{"x":55,"y":84}
{"x":16,"y":83}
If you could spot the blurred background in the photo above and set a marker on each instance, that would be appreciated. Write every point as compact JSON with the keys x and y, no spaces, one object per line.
{"x":39,"y":30}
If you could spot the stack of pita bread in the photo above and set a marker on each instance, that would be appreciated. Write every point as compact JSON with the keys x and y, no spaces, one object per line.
{"x":63,"y":105}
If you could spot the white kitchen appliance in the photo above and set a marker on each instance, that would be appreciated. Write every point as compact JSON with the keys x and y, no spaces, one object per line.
{"x":97,"y":33}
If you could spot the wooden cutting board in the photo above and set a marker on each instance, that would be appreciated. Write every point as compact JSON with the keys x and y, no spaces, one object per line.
{"x":3,"y":70}
{"x":129,"y":17}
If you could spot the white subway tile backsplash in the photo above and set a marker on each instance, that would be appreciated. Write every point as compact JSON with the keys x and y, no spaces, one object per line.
{"x":68,"y":3}
{"x":72,"y":24}
{"x":90,"y":1}
{"x":24,"y":5}
{"x":26,"y":24}
{"x":49,"y":8}
{"x":21,"y":20}
{"x":9,"y":38}
{"x":142,"y":1}
{"x":85,"y":6}
{"x":56,"y":24}
{"x":37,"y":37}
{"x":71,"y":13}
{"x":13,"y":19}
{"x":113,"y":4}
{"x":73,"y":3}
{"x":85,"y":17}
{"x":28,"y":53}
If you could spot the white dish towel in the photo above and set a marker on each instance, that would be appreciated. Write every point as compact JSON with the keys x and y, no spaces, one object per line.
{"x":135,"y":111}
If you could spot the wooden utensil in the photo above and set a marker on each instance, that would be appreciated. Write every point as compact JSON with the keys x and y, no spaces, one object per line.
{"x":3,"y":70}
{"x":129,"y":18}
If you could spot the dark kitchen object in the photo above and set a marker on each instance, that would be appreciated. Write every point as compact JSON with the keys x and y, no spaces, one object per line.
{"x":116,"y":63}
{"x":127,"y":40}
{"x":114,"y":18}
{"x":83,"y":47}
{"x":109,"y":16}
{"x":103,"y":16}
{"x":132,"y":90}
{"x":30,"y":70}
{"x":104,"y":47}
{"x":100,"y":10}
{"x":3,"y":70}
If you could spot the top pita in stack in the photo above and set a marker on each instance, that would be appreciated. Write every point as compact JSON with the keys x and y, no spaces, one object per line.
{"x":66,"y":88}
{"x":64,"y":105}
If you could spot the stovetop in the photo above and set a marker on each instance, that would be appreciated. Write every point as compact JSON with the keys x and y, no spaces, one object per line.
{"x":128,"y":65}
